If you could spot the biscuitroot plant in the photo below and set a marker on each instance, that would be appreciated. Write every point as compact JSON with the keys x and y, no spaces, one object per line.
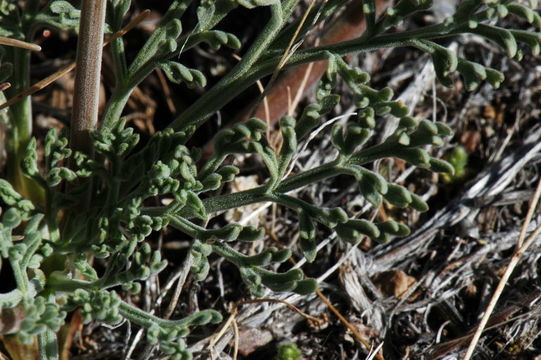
{"x":50,"y":234}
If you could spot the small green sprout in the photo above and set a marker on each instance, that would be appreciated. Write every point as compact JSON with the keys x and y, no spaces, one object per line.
{"x":288,"y":352}
{"x":458,"y":158}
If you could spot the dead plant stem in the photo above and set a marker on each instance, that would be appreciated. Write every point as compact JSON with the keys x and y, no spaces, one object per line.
{"x":529,"y":215}
{"x":19,"y":43}
{"x":348,"y":325}
{"x":237,"y":339}
{"x":289,"y":305}
{"x":521,"y":248}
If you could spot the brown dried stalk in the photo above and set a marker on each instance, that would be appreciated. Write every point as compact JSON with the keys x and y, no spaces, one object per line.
{"x":497,"y":320}
{"x":289,"y":305}
{"x":378,"y":354}
{"x":348,"y":325}
{"x":20,"y":44}
{"x":521,"y":247}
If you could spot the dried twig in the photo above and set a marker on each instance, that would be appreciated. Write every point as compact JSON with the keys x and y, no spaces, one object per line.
{"x":496,"y":321}
{"x":19,"y":43}
{"x":289,"y":305}
{"x":529,"y":215}
{"x":166,"y":91}
{"x":348,"y":325}
{"x":521,"y":248}
{"x":331,"y":307}
{"x":223,"y":330}
{"x":236,"y":341}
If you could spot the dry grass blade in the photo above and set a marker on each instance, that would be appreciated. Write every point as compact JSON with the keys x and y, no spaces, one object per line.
{"x":39,"y":85}
{"x":378,"y":355}
{"x":375,"y":352}
{"x":237,"y":340}
{"x":529,"y":215}
{"x":496,"y":321}
{"x":19,"y":43}
{"x":4,"y":86}
{"x":287,"y":54}
{"x":132,"y":24}
{"x":300,"y":91}
{"x":229,"y":321}
{"x":349,"y":25}
{"x":68,"y":68}
{"x":290,"y":49}
{"x":289,"y":305}
{"x":166,"y":91}
{"x":521,"y":248}
{"x":348,"y":325}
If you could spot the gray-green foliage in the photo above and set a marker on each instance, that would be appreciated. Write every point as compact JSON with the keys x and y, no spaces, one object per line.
{"x":48,"y":242}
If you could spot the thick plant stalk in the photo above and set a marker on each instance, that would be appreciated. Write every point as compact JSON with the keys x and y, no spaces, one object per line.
{"x":87,"y":77}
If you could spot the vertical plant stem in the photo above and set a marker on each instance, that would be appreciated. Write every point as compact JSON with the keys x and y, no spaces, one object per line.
{"x":19,"y":273}
{"x":87,"y":77}
{"x":119,"y":60}
{"x":48,"y":345}
{"x":21,"y":117}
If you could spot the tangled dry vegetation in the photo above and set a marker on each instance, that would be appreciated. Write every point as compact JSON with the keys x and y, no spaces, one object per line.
{"x":422,"y":296}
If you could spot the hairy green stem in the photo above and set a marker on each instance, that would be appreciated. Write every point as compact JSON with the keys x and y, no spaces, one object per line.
{"x":141,"y":67}
{"x":48,"y":345}
{"x":20,"y":115}
{"x":260,"y":194}
{"x":11,"y":298}
{"x":87,"y":76}
{"x":122,"y":92}
{"x":58,"y":282}
{"x":369,"y":10}
{"x":21,"y":278}
{"x":140,"y":72}
{"x":143,"y":318}
{"x":119,"y":60}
